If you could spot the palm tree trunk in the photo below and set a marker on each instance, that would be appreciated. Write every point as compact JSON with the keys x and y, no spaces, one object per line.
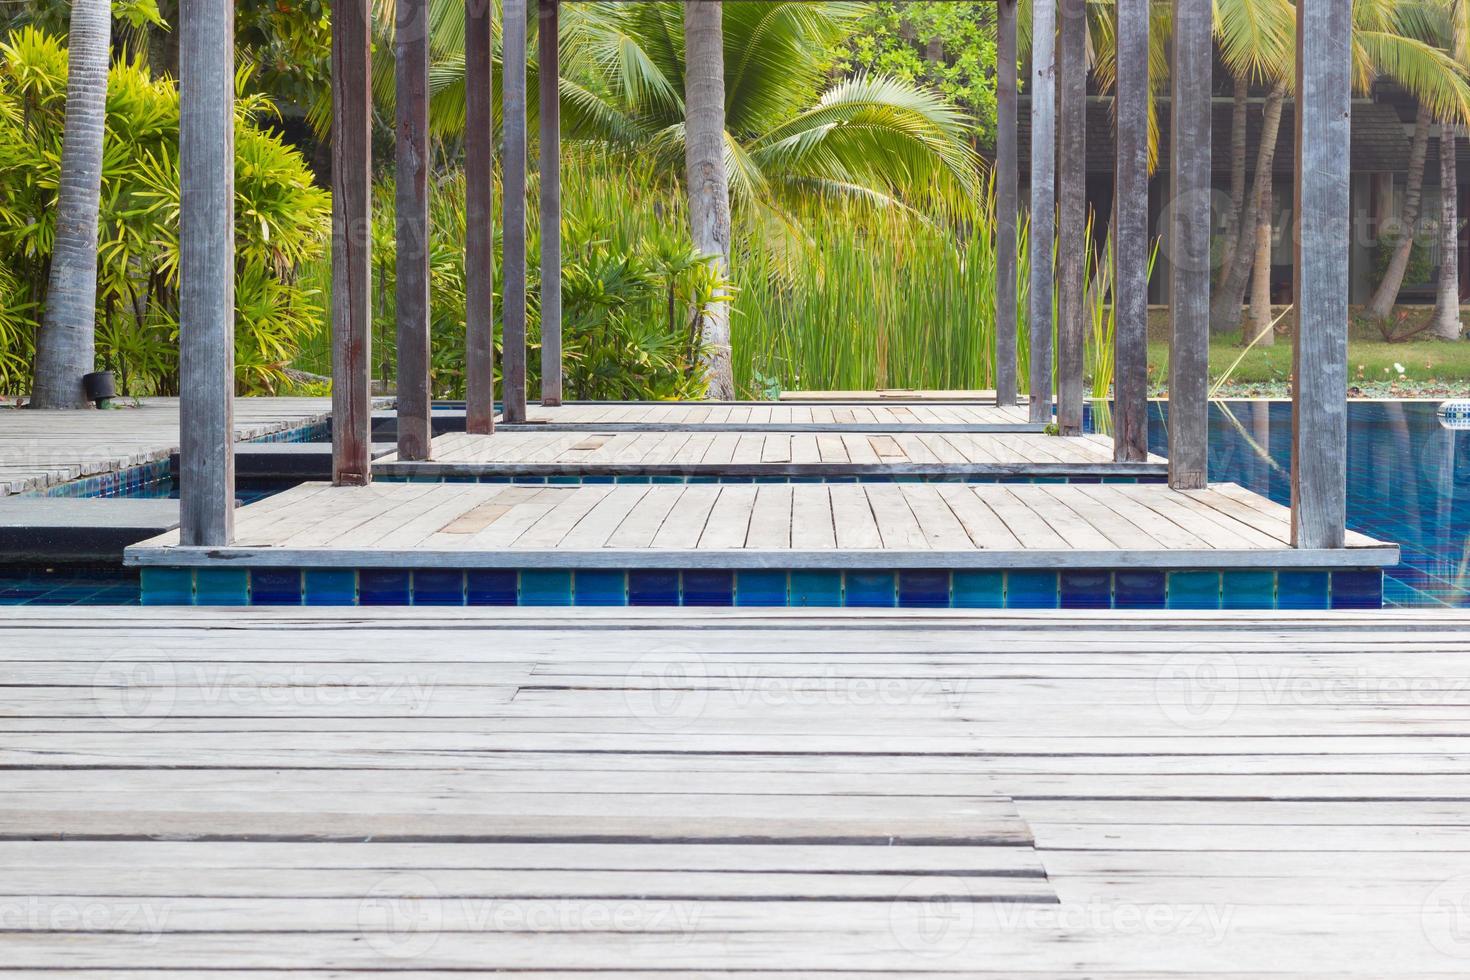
{"x":1260,"y":332}
{"x":1387,"y":293}
{"x":1225,"y":310}
{"x":704,"y":164}
{"x":1447,"y":305}
{"x":1237,"y":178}
{"x":65,"y":346}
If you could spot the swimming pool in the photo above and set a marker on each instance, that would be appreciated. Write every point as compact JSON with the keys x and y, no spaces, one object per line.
{"x":1408,"y":481}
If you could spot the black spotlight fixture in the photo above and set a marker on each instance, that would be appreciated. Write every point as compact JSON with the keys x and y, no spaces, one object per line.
{"x":100,"y":386}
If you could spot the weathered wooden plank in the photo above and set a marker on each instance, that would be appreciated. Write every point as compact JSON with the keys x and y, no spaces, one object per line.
{"x":513,"y":205}
{"x":1006,"y":181}
{"x":1319,"y":347}
{"x":1042,"y":233}
{"x":1130,"y":233}
{"x":479,"y":153}
{"x":548,"y":67}
{"x":206,"y":272}
{"x":411,"y":220}
{"x":1189,"y":231}
{"x":351,"y":243}
{"x":1071,"y":212}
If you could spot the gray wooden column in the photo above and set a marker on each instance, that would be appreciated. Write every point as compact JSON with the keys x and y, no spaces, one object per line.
{"x":479,"y":192}
{"x":1319,"y":353}
{"x":513,"y":199}
{"x":1188,"y":238}
{"x":548,"y":64}
{"x":1043,"y":202}
{"x":1005,"y":203}
{"x":351,"y":243}
{"x":1130,"y":235}
{"x":1071,"y":212}
{"x":206,"y":272}
{"x":411,"y":213}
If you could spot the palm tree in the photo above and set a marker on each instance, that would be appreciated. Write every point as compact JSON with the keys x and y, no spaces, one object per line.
{"x":1446,"y":324}
{"x":1380,"y":304}
{"x":65,"y":345}
{"x":705,"y":178}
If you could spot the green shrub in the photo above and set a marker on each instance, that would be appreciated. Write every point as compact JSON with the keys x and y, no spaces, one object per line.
{"x":281,"y":221}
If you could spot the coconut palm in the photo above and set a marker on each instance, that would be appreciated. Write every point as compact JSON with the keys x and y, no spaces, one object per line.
{"x":65,"y":345}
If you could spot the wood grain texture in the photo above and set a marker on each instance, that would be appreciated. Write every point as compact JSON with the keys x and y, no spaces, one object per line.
{"x":351,"y":243}
{"x":206,"y":272}
{"x":1071,"y":212}
{"x":548,"y":64}
{"x":1319,"y":351}
{"x":1131,"y":233}
{"x":1189,"y":243}
{"x":1042,"y":233}
{"x":1006,"y":181}
{"x":411,"y":221}
{"x":513,"y":203}
{"x":479,"y":151}
{"x":731,"y":793}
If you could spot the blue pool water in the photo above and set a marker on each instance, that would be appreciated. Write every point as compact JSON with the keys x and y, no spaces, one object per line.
{"x":1408,"y":481}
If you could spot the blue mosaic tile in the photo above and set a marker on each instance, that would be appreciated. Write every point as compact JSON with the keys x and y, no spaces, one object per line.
{"x":438,"y":587}
{"x":653,"y":587}
{"x":979,"y":589}
{"x":760,"y":587}
{"x":866,"y":588}
{"x":923,"y":588}
{"x":630,"y":479}
{"x":275,"y":586}
{"x":1194,"y":590}
{"x":600,"y":587}
{"x":1301,"y":590}
{"x":491,"y":587}
{"x":1357,"y":589}
{"x":546,"y":587}
{"x":816,"y":587}
{"x":1244,"y":589}
{"x":331,"y":586}
{"x":1031,"y":590}
{"x":384,"y":586}
{"x":709,"y":587}
{"x":222,"y":587}
{"x":1138,"y":590}
{"x":1081,"y":589}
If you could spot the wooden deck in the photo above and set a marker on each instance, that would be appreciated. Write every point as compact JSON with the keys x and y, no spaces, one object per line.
{"x":853,"y":525}
{"x":39,"y":449}
{"x":767,"y":453}
{"x":670,"y":797}
{"x":868,"y":416}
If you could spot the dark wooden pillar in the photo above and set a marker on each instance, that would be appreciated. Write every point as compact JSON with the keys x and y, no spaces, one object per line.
{"x":1319,"y":355}
{"x":479,"y":192}
{"x":1071,"y":212}
{"x":1005,"y":203}
{"x":513,"y":197}
{"x":1189,"y":245}
{"x":1130,"y":235}
{"x":1043,"y":202}
{"x":411,"y":212}
{"x":351,"y":243}
{"x":549,"y":69}
{"x":206,"y":272}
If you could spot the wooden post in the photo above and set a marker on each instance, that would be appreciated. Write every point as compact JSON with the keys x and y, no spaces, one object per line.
{"x":1043,"y":202}
{"x":513,"y":200}
{"x":1005,"y":203}
{"x":351,"y":243}
{"x":1071,"y":213}
{"x":479,"y":193}
{"x":548,"y":62}
{"x":1130,"y":235}
{"x":1319,"y":352}
{"x":1189,"y":245}
{"x":206,"y":272}
{"x":411,"y":212}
